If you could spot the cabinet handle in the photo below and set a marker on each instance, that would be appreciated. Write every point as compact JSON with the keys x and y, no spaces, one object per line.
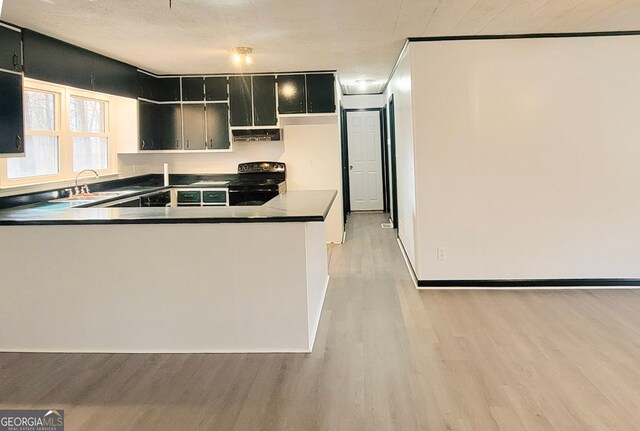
{"x":187,"y":143}
{"x":143,"y":144}
{"x":16,"y":62}
{"x":177,"y":143}
{"x":18,"y":142}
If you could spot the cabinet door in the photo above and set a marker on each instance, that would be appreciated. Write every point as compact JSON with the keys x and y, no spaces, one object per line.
{"x":193,"y":89}
{"x":168,"y":127}
{"x":264,"y":101}
{"x":291,"y":94}
{"x":113,"y":77}
{"x":321,"y":95}
{"x":10,"y":49}
{"x":167,"y":90}
{"x":11,"y":118}
{"x":146,"y":86}
{"x":216,"y":88}
{"x":218,"y":126}
{"x":193,"y":124}
{"x":146,"y":116}
{"x":240,"y":100}
{"x":52,"y":60}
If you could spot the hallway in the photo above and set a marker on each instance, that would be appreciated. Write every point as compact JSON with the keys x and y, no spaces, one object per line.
{"x":387,"y":357}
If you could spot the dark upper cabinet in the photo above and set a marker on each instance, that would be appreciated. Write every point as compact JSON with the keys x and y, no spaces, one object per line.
{"x":168,"y":127}
{"x":146,"y":119}
{"x":193,"y":89}
{"x":160,"y":126}
{"x":11,"y":117}
{"x":291,"y":94}
{"x":52,"y":60}
{"x":217,"y":119}
{"x":146,"y":85}
{"x":193,"y":115}
{"x":158,"y":89}
{"x":216,"y":88}
{"x":113,"y":77}
{"x":264,"y":101}
{"x":240,"y":105}
{"x":167,"y":90}
{"x":10,"y":49}
{"x":321,"y":97}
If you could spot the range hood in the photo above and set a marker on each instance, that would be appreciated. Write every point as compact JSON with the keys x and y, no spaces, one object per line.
{"x":256,"y":135}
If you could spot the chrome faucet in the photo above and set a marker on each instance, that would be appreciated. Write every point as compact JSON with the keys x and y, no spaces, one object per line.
{"x":85,"y":188}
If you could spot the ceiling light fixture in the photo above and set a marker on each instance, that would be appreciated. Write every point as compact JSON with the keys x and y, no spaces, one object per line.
{"x":242,"y":55}
{"x":363,"y":84}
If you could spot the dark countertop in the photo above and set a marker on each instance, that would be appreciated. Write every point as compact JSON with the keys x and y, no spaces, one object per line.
{"x":292,"y":206}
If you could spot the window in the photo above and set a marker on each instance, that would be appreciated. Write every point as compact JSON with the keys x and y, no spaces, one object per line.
{"x":66,"y":131}
{"x":90,"y":142}
{"x":42,"y":138}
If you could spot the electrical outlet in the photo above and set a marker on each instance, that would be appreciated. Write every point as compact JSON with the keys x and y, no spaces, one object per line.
{"x":441,"y":254}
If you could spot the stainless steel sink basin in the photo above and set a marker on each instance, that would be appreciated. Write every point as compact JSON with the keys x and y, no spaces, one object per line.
{"x":91,"y":197}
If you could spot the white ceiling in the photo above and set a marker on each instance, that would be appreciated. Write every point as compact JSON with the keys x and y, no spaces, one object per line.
{"x":359,"y":38}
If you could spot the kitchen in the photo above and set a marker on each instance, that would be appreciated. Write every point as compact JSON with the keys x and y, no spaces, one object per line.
{"x":175,"y":115}
{"x":184,"y":250}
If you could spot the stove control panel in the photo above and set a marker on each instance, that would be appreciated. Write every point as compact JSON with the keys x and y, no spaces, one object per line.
{"x":261,"y":167}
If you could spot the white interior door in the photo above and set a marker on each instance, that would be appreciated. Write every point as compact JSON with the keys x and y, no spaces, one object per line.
{"x":365,"y":165}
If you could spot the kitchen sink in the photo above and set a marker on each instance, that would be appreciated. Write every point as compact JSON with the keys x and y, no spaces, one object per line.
{"x":91,"y":197}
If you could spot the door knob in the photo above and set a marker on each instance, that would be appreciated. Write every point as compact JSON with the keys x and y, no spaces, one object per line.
{"x":350,"y":167}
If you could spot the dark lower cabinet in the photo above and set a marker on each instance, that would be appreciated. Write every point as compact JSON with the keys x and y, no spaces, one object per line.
{"x":321,"y":96}
{"x":193,"y":123}
{"x":10,"y":49}
{"x":264,"y":100}
{"x":217,"y":119}
{"x":11,"y":117}
{"x":240,"y":105}
{"x":160,"y":126}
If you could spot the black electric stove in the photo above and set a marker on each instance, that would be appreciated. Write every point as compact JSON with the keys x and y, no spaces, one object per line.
{"x":257,"y":183}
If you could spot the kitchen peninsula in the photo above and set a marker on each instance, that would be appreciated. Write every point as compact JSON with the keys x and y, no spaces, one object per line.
{"x":206,"y":279}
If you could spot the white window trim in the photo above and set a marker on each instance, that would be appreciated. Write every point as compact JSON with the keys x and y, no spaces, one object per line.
{"x":65,"y":135}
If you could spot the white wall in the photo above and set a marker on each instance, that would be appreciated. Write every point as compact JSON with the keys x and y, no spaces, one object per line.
{"x":526,"y":158}
{"x":363,"y":101}
{"x":400,"y":86}
{"x":311,"y":150}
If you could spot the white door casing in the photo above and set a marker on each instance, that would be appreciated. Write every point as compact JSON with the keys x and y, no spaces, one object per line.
{"x":365,"y":165}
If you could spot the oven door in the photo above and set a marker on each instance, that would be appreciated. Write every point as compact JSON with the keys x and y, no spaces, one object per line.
{"x":251,"y":197}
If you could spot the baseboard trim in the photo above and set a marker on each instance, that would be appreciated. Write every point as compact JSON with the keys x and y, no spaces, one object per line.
{"x":312,"y":341}
{"x":562,"y":283}
{"x":405,"y":256}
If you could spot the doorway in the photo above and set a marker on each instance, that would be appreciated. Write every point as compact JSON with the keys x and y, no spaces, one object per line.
{"x":364,"y":144}
{"x":393,"y":174}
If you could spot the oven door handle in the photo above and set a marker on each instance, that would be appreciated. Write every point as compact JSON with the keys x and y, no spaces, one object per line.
{"x":253,"y":191}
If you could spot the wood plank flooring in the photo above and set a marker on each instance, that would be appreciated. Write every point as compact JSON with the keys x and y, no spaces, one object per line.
{"x":387,"y":357}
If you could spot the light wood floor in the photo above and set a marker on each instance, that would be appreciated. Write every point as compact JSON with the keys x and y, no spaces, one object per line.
{"x":387,"y":357}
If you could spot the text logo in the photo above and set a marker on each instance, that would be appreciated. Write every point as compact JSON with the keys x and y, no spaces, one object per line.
{"x":31,"y":420}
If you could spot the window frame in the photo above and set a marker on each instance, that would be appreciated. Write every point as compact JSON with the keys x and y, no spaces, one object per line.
{"x":62,"y":96}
